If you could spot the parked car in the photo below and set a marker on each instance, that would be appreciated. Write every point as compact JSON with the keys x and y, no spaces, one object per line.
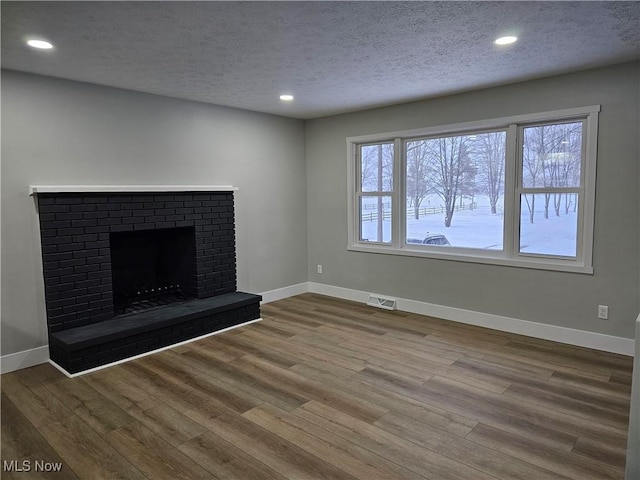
{"x":430,"y":239}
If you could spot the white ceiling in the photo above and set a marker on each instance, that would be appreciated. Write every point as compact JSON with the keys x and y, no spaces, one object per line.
{"x":333,"y":56}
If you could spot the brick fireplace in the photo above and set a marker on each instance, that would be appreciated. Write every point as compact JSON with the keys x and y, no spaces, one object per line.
{"x":128,"y":272}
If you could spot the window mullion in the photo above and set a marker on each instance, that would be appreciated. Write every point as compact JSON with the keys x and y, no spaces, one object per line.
{"x":353,"y":172}
{"x":530,"y":191}
{"x":399,"y":199}
{"x":511,"y":205}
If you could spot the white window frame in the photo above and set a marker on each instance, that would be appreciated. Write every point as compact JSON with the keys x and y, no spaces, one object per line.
{"x":393,"y":194}
{"x":509,"y":255}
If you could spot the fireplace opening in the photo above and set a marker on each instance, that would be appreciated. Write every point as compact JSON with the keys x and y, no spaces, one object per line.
{"x":152,"y":268}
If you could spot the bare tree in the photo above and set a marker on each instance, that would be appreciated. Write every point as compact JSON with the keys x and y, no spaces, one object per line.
{"x":449,"y":170}
{"x":533,"y":171}
{"x":418,"y":185}
{"x":551,"y":158}
{"x":490,"y":154}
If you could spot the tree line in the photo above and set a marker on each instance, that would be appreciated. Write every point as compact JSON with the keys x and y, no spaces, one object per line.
{"x":454,"y":167}
{"x":458,"y":166}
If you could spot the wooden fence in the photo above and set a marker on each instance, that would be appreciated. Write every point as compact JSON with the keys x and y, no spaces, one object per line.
{"x":411,"y":212}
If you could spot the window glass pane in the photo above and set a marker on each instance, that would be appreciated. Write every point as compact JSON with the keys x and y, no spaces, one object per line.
{"x":455,"y":190}
{"x":376,"y":168}
{"x":375,"y":218}
{"x":549,"y":223}
{"x":551,"y":155}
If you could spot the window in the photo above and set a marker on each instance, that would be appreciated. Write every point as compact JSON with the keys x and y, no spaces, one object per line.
{"x":459,"y":176}
{"x":550,"y":188}
{"x":512,"y":191}
{"x":375,"y":191}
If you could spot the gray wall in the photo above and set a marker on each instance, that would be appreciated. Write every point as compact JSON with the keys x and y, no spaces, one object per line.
{"x":61,"y":132}
{"x":564,"y":299}
{"x":633,"y":443}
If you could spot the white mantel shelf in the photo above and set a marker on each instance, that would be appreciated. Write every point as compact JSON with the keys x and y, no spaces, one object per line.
{"x":35,"y":189}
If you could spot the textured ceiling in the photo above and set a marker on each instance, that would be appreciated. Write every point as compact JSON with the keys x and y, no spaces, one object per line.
{"x":333,"y":56}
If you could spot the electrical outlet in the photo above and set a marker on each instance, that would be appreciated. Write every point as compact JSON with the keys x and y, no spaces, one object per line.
{"x":319,"y":268}
{"x":603,"y":312}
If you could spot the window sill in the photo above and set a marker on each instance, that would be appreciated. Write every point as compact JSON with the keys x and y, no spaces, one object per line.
{"x":530,"y":262}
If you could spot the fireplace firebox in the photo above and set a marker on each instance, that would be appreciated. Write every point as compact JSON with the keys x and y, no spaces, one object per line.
{"x":152,"y":268}
{"x":127,"y":273}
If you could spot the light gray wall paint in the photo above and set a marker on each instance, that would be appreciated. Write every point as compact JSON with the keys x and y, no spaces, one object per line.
{"x":564,"y":299}
{"x":633,"y":443}
{"x":61,"y":132}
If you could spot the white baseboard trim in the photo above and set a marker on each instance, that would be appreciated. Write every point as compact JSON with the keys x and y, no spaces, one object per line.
{"x":145,"y":354}
{"x":25,"y":359}
{"x":285,"y":292}
{"x":580,"y":338}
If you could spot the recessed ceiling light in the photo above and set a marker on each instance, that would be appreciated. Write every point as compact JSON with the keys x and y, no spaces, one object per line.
{"x":505,"y":40}
{"x":40,"y":44}
{"x":286,"y":98}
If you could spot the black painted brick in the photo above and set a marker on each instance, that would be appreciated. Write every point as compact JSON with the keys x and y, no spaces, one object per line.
{"x":120,"y":213}
{"x":97,"y":244}
{"x":118,"y":198}
{"x":121,"y":228}
{"x":151,"y":205}
{"x":88,"y":283}
{"x":144,"y":226}
{"x":54,"y":208}
{"x":84,"y":207}
{"x":110,"y":221}
{"x":165,"y":211}
{"x":90,"y":215}
{"x":95,"y":199}
{"x":73,"y":263}
{"x":165,"y":224}
{"x":92,"y":252}
{"x":71,"y":247}
{"x":204,"y":211}
{"x":68,"y":200}
{"x":90,"y":237}
{"x":78,"y":277}
{"x":132,"y":206}
{"x":108,"y":207}
{"x":55,"y":224}
{"x":89,"y":222}
{"x":101,"y":259}
{"x":55,"y":240}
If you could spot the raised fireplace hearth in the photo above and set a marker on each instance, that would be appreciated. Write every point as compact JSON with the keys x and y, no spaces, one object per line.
{"x":126,"y":273}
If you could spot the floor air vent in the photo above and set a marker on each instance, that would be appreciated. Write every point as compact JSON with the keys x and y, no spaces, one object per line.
{"x":382,"y":302}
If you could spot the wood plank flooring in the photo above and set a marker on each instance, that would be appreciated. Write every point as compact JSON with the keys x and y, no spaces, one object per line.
{"x":329,"y":389}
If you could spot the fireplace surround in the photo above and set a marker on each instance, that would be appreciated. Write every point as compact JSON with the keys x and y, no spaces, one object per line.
{"x":129,"y":272}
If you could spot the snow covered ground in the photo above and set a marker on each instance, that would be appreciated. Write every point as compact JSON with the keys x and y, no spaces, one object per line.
{"x":479,"y":228}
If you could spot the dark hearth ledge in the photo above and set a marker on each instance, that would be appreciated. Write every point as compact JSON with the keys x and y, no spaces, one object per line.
{"x":82,"y":349}
{"x":127,"y":325}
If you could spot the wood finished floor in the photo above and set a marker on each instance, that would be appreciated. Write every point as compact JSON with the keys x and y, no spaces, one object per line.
{"x":325,"y":388}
